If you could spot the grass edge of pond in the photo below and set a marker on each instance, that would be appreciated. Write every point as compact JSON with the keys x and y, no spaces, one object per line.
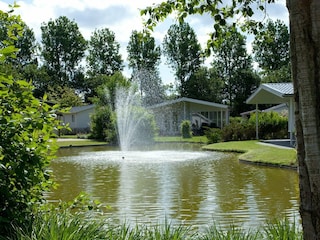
{"x":255,"y":153}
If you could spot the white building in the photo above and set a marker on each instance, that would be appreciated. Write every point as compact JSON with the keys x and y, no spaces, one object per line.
{"x":170,"y":114}
{"x":78,"y":118}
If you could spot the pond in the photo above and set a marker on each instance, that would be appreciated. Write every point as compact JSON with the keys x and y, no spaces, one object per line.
{"x":186,"y":186}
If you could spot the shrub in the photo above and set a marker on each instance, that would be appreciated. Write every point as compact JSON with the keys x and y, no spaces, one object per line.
{"x":103,"y":125}
{"x":146,"y":129}
{"x":213,"y":135}
{"x":185,"y":129}
{"x":239,"y":129}
{"x":26,"y":148}
{"x":271,"y":125}
{"x":27,"y":126}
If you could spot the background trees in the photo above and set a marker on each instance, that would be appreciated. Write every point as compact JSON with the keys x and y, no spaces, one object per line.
{"x":103,"y":60}
{"x":103,"y":53}
{"x":234,"y":67}
{"x":271,"y":51}
{"x":183,"y":52}
{"x":103,"y":122}
{"x":144,"y":58}
{"x":63,"y":48}
{"x":205,"y":84}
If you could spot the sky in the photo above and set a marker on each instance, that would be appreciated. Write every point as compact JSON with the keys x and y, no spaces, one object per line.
{"x":121,"y":17}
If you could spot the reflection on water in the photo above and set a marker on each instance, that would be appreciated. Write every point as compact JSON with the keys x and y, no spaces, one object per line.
{"x":189,"y":187}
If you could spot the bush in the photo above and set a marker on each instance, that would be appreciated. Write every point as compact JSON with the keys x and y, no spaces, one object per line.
{"x":271,"y":125}
{"x":185,"y":129}
{"x":213,"y":135}
{"x":26,"y":129}
{"x":103,"y":125}
{"x":237,"y":130}
{"x":146,"y":129}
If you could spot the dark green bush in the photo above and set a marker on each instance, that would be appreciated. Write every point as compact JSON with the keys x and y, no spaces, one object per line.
{"x":103,"y":125}
{"x":237,"y":130}
{"x":213,"y":135}
{"x":26,"y":147}
{"x":185,"y":129}
{"x":147,"y":128}
{"x":271,"y":125}
{"x":27,"y":127}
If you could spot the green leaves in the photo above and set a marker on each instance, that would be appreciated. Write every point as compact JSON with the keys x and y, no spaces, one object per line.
{"x":221,"y":11}
{"x":26,"y":128}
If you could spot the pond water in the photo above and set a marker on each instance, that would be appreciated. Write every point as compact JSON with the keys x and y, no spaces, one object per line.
{"x":186,"y":186}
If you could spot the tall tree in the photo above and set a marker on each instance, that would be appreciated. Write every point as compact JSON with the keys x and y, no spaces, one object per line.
{"x":233,"y":65}
{"x":144,"y":59}
{"x":143,"y":53}
{"x":183,"y":51}
{"x":103,"y":56}
{"x":205,"y":84}
{"x":305,"y":60}
{"x":63,"y":48}
{"x":271,"y":51}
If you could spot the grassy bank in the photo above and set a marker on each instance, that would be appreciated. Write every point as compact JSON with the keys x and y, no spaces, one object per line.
{"x":194,"y":139}
{"x":74,"y":142}
{"x":257,"y":152}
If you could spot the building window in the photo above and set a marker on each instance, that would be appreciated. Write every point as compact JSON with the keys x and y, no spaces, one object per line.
{"x":73,"y":118}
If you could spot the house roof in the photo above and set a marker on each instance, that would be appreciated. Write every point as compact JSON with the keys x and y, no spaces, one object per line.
{"x":272,"y":93}
{"x":81,"y":108}
{"x":190,"y":100}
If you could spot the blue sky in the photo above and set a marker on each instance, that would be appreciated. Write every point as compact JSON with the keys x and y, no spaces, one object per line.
{"x":121,"y":17}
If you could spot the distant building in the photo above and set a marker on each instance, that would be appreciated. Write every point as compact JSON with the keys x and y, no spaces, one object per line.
{"x":170,"y":114}
{"x":78,"y":118}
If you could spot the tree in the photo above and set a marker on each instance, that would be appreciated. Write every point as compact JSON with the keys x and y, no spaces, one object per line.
{"x":234,"y":67}
{"x":271,"y":51}
{"x":143,"y":54}
{"x":24,"y":42}
{"x":63,"y":48}
{"x":64,"y":96}
{"x":26,"y":147}
{"x":205,"y":84}
{"x":305,"y":59}
{"x":103,"y":53}
{"x":144,"y":59}
{"x":183,"y":51}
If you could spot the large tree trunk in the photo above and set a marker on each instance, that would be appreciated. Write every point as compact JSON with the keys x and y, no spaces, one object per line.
{"x":305,"y":50}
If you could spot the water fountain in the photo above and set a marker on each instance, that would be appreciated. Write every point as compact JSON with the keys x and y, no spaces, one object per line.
{"x":128,"y":120}
{"x":135,"y":125}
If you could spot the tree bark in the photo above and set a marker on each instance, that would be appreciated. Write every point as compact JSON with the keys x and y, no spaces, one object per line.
{"x":305,"y":59}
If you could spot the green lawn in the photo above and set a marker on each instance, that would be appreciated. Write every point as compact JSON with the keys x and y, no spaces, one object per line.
{"x":194,"y":139}
{"x":74,"y":142}
{"x":254,"y":151}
